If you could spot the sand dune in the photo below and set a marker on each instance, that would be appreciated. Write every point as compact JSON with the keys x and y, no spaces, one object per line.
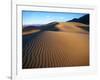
{"x":57,"y":49}
{"x":72,"y":27}
{"x":30,"y":32}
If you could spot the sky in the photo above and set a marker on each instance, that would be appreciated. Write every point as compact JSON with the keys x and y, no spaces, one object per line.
{"x":37,"y":17}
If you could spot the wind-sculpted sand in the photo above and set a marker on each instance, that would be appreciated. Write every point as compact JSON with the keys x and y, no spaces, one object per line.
{"x":29,"y":32}
{"x":72,"y":27}
{"x":56,"y":49}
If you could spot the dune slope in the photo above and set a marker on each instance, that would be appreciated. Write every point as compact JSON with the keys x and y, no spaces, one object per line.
{"x":56,"y":49}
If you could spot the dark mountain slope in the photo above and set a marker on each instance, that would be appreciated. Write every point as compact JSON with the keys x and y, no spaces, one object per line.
{"x":84,"y":19}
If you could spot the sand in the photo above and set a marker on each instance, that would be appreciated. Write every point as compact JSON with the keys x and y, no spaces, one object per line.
{"x":57,"y":49}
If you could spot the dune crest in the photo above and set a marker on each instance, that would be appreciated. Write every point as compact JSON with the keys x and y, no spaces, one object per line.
{"x":72,"y":27}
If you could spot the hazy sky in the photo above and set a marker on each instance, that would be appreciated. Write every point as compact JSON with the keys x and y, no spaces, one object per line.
{"x":37,"y":17}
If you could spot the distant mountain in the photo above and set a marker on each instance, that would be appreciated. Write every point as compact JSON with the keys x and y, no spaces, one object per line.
{"x":50,"y":26}
{"x":30,"y":27}
{"x":47,"y":27}
{"x":84,"y":19}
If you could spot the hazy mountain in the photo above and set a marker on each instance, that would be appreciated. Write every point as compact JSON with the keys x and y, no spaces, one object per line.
{"x":84,"y":19}
{"x":50,"y":26}
{"x":30,"y":27}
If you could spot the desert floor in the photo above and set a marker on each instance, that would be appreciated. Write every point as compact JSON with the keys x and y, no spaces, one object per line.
{"x":56,"y":49}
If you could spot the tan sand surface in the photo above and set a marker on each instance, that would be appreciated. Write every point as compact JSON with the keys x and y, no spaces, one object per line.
{"x":57,"y":49}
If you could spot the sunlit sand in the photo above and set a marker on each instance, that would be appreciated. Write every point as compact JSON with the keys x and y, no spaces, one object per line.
{"x":67,"y":47}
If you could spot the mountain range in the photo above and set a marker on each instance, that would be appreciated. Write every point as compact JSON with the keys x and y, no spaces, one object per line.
{"x":84,"y":19}
{"x":51,"y":26}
